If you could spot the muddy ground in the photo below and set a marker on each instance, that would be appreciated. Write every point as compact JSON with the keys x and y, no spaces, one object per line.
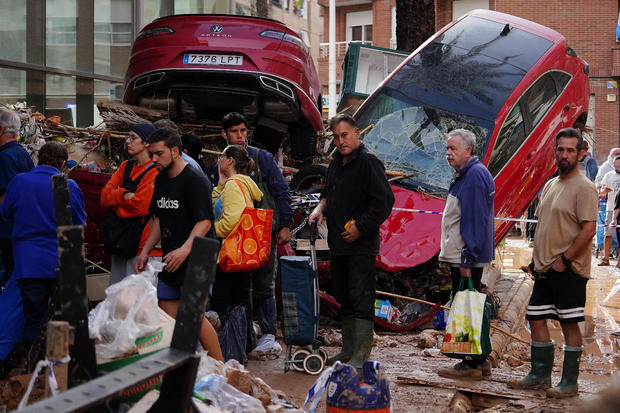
{"x":405,"y":362}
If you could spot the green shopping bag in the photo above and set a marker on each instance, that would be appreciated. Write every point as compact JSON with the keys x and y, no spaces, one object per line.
{"x":467,"y":328}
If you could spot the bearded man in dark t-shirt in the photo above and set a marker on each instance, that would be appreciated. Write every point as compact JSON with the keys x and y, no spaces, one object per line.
{"x":181,"y":210}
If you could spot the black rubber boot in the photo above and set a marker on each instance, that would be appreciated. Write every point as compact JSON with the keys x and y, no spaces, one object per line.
{"x":347,"y":340}
{"x":539,"y":377}
{"x":568,"y":386}
{"x":362,"y":333}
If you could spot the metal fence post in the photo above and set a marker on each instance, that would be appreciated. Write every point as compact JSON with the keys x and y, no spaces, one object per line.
{"x":178,"y":385}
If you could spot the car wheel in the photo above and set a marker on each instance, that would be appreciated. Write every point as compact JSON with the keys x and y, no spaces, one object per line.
{"x":309,"y":179}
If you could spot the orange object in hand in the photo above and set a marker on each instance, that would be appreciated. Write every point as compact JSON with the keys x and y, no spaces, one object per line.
{"x":348,"y":224}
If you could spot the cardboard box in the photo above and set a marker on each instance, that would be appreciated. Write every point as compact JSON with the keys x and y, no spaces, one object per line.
{"x":96,"y":285}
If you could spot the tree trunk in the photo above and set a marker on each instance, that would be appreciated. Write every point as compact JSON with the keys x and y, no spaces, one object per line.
{"x":415,"y":22}
{"x":262,"y":8}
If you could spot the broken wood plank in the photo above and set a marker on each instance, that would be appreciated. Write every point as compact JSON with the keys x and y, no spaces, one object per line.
{"x":462,"y":385}
{"x":147,"y":113}
{"x":59,"y":336}
{"x":511,"y":315}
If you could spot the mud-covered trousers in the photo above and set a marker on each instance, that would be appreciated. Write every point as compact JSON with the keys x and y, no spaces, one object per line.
{"x":353,"y":282}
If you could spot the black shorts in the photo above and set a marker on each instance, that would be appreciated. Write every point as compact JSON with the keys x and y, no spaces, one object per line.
{"x":558,"y":295}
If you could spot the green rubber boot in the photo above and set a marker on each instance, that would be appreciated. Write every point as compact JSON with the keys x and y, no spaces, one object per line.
{"x":347,"y":340}
{"x":362,"y":341}
{"x":568,"y":386}
{"x":539,"y":377}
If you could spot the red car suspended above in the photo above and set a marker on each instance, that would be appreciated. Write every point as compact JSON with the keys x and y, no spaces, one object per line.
{"x":200,"y":67}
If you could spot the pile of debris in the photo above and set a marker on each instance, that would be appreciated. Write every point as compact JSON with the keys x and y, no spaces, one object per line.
{"x":226,"y":387}
{"x":103,"y":145}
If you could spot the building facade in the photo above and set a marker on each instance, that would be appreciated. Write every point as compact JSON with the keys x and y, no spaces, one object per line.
{"x":589,"y":26}
{"x":371,"y":22}
{"x":64,"y":56}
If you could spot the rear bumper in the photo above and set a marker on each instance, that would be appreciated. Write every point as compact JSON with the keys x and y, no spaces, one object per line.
{"x":279,"y":98}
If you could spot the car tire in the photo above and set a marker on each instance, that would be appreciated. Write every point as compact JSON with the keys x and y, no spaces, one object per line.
{"x":309,"y":179}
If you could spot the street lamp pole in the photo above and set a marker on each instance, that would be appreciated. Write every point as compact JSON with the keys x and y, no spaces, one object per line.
{"x":332,"y":58}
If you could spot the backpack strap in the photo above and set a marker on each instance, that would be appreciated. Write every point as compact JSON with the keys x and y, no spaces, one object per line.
{"x":139,"y":178}
{"x":127,"y":175}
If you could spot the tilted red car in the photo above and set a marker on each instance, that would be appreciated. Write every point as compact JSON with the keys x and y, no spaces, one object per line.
{"x":514,"y":83}
{"x":200,"y":67}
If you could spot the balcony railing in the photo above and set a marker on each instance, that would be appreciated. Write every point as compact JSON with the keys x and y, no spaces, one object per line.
{"x":341,"y":47}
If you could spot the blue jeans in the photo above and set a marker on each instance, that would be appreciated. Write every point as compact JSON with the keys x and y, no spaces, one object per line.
{"x":263,"y":291}
{"x":36,"y":294}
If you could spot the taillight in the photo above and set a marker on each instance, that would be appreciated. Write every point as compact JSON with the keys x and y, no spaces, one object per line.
{"x":156,"y":31}
{"x":289,"y":38}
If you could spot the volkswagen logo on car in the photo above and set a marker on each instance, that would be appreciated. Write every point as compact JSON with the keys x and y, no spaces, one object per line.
{"x":217,"y":28}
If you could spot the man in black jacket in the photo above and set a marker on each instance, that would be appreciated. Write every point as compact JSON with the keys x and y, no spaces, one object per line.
{"x":356,"y":200}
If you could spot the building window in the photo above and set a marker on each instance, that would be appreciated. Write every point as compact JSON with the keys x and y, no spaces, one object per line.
{"x":61,"y":33}
{"x":112,"y":36}
{"x":13,"y":32}
{"x":60,"y":97}
{"x":300,"y":7}
{"x":12,"y":86}
{"x":361,"y":33}
{"x":359,"y":26}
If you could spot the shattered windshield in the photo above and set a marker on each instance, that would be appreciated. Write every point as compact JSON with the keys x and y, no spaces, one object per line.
{"x":409,"y":137}
{"x":460,"y":80}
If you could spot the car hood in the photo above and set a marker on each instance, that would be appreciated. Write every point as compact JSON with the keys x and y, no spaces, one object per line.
{"x":410,"y":238}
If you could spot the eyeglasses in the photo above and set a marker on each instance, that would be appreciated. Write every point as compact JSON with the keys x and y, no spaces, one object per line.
{"x":130,"y":138}
{"x":223,"y":155}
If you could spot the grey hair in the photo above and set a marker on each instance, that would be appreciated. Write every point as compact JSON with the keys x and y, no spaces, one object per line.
{"x":166,"y":123}
{"x":10,"y":121}
{"x":468,"y":137}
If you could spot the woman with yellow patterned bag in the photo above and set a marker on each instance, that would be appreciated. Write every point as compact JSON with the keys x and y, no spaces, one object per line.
{"x":235,"y":191}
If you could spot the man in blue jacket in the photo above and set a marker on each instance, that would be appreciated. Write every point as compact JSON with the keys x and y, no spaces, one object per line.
{"x":277,"y":196}
{"x":467,"y":231}
{"x":14,"y":159}
{"x":29,"y":201}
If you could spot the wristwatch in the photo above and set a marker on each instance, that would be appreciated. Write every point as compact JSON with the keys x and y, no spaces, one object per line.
{"x":565,"y":260}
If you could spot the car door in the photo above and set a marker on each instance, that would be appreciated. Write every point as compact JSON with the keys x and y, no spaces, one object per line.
{"x":522,"y":156}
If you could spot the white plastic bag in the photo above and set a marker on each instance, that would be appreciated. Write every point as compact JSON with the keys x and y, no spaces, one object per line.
{"x":129,"y":312}
{"x":213,"y":389}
